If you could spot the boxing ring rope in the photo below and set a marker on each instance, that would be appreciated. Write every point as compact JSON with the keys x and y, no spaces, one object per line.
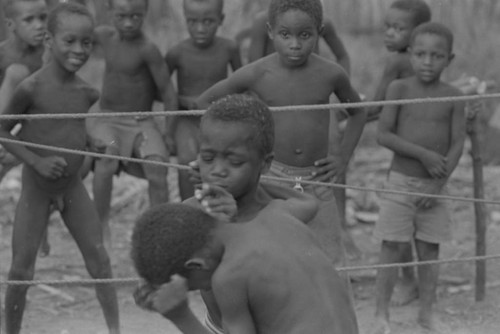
{"x":141,"y":114}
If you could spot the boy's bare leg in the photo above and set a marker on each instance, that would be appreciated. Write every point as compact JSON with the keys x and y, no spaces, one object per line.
{"x":406,"y":289}
{"x":352,"y":250}
{"x":157,"y":182}
{"x":390,"y":252}
{"x":83,"y":223}
{"x":26,"y":237}
{"x":427,"y":282}
{"x":45,"y":245}
{"x":102,"y":186}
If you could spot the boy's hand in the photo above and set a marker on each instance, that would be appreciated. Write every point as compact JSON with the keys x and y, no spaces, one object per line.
{"x":52,"y":167}
{"x":429,"y":202}
{"x":435,"y":164}
{"x":330,"y":168}
{"x":171,"y":299}
{"x":143,"y":296}
{"x":194,"y":172}
{"x":217,"y":202}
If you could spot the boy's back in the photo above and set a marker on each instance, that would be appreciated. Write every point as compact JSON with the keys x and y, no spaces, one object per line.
{"x":290,"y":283}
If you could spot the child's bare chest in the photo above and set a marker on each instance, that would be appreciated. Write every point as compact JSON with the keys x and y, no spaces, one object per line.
{"x":122,"y":57}
{"x":282,"y":88}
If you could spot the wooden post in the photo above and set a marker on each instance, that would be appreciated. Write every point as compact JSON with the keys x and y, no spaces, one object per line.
{"x":479,"y":208}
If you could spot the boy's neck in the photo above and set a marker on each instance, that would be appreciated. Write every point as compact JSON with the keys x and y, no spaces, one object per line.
{"x":59,"y":72}
{"x":22,"y":46}
{"x":250,"y":204}
{"x":403,"y":51}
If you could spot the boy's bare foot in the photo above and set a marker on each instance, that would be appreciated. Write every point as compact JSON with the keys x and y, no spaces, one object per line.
{"x":428,"y":322}
{"x":404,"y":293}
{"x":380,"y":326}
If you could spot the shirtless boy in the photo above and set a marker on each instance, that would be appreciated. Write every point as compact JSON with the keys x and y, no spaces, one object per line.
{"x":134,"y":73}
{"x":20,"y":54}
{"x":260,"y":283}
{"x":294,"y":75}
{"x":199,"y":62}
{"x":401,"y":18}
{"x":53,"y":179}
{"x":261,"y":45}
{"x":427,"y":141}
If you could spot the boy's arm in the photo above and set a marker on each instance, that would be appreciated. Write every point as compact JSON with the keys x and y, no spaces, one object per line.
{"x":334,"y":166}
{"x":387,"y":136}
{"x":14,"y":74}
{"x":258,"y":39}
{"x":389,"y":74}
{"x":238,"y":82}
{"x":336,"y":45}
{"x":235,"y":60}
{"x":161,"y":76}
{"x":300,"y":205}
{"x":232,"y":296}
{"x":458,"y":135}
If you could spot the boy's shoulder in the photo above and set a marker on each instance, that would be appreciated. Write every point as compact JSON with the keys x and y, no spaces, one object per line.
{"x":105,"y":31}
{"x":397,"y":62}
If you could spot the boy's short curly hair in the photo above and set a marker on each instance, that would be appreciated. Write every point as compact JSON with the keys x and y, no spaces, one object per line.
{"x":219,"y":3}
{"x":165,"y":237}
{"x":9,"y":10}
{"x":110,"y":3}
{"x":66,"y":8}
{"x":433,"y":28}
{"x":247,"y":109}
{"x":313,"y":8}
{"x":418,"y":8}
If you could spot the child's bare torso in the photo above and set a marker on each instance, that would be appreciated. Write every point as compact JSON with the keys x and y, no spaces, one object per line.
{"x":301,"y":137}
{"x":51,"y":97}
{"x":291,"y":289}
{"x":425,"y":124}
{"x":128,"y":84}
{"x":199,"y":69}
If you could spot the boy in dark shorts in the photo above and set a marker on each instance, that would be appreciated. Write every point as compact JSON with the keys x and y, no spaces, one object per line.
{"x":134,"y":73}
{"x":294,"y":75}
{"x":53,"y":179}
{"x":401,"y":18}
{"x":427,"y":141}
{"x":199,"y":62}
{"x":260,"y":282}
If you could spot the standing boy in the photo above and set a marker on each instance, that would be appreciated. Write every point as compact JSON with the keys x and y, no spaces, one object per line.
{"x":53,"y":179}
{"x":402,"y":17}
{"x":260,"y":283}
{"x":294,"y":75}
{"x":134,"y":73}
{"x":199,"y":62}
{"x":427,"y":141}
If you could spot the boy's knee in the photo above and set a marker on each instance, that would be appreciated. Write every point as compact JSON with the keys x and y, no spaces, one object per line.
{"x":155,"y":173}
{"x":18,"y":273}
{"x":100,"y":266}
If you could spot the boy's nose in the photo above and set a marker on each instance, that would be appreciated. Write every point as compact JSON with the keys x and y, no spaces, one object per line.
{"x":219,"y":170}
{"x":295,"y":43}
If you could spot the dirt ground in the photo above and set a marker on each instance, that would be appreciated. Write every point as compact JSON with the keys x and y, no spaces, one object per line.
{"x":74,"y":309}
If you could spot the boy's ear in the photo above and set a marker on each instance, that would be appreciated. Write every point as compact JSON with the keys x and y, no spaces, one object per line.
{"x":269,"y":31}
{"x":321,"y":30}
{"x":9,"y":23}
{"x":222,"y":17}
{"x":266,"y":163}
{"x":451,"y":57}
{"x":196,"y":263}
{"x":48,"y":41}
